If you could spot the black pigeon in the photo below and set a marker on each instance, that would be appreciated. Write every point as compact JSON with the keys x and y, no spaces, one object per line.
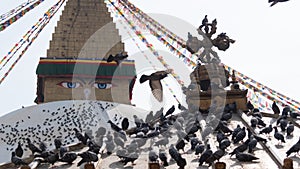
{"x":42,"y":146}
{"x":205,"y":20}
{"x":180,"y":145}
{"x":117,"y":58}
{"x":87,"y":156}
{"x":82,"y":138}
{"x":266,"y":130}
{"x":294,"y":149}
{"x":181,"y":162}
{"x":275,"y":108}
{"x":286,"y":110}
{"x":57,"y":143}
{"x":224,"y":144}
{"x":199,"y":149}
{"x":152,"y":156}
{"x":53,"y":158}
{"x":205,"y":155}
{"x":68,"y":157}
{"x":19,"y":151}
{"x":125,"y":123}
{"x":114,"y":126}
{"x":130,"y":158}
{"x":276,"y":1}
{"x":93,"y":147}
{"x":241,"y":148}
{"x":218,"y":154}
{"x":254,"y":122}
{"x":170,"y":111}
{"x":194,"y":142}
{"x":290,"y":129}
{"x":252,"y":144}
{"x":16,"y":160}
{"x":250,"y":106}
{"x":236,"y":131}
{"x":181,"y":107}
{"x":245,"y":157}
{"x":278,"y":135}
{"x":240,"y":136}
{"x":32,"y":147}
{"x":283,"y":123}
{"x":155,"y":84}
{"x":163,"y":157}
{"x":294,"y":114}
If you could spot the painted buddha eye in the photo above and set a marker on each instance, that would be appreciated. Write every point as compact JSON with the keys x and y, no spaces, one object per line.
{"x":69,"y":85}
{"x":102,"y":85}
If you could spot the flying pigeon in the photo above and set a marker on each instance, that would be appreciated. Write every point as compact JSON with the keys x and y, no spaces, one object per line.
{"x":273,"y":2}
{"x":155,"y":84}
{"x":117,"y":58}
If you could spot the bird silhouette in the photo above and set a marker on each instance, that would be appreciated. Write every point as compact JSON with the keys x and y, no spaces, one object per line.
{"x":117,"y":58}
{"x":163,"y":157}
{"x":125,"y":124}
{"x":245,"y":157}
{"x":278,"y":135}
{"x":275,"y":108}
{"x":274,"y":2}
{"x":155,"y":84}
{"x":19,"y":151}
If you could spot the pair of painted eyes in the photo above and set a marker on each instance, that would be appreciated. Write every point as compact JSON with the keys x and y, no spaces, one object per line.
{"x":73,"y":85}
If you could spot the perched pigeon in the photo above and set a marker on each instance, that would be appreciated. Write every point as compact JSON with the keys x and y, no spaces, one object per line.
{"x":290,"y":129}
{"x":275,"y":108}
{"x":278,"y":135}
{"x":16,"y":160}
{"x":68,"y":157}
{"x":19,"y":151}
{"x":152,"y":156}
{"x":125,"y":124}
{"x":245,"y":157}
{"x":32,"y":147}
{"x":163,"y":157}
{"x":87,"y":157}
{"x":294,"y":149}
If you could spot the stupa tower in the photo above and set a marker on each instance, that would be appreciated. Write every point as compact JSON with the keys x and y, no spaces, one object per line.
{"x":75,"y":67}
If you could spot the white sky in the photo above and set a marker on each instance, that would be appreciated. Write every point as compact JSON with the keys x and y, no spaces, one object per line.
{"x":266,"y":47}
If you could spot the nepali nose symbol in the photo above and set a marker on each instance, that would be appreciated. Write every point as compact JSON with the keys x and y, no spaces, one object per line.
{"x":87,"y":93}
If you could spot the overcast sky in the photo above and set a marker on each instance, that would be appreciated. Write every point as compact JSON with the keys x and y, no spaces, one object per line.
{"x":266,"y":48}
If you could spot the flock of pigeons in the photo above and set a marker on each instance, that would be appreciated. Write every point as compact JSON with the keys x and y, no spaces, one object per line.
{"x":157,"y":133}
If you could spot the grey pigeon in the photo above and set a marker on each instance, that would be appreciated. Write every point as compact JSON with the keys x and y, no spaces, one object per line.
{"x":16,"y":160}
{"x":155,"y":84}
{"x":152,"y":156}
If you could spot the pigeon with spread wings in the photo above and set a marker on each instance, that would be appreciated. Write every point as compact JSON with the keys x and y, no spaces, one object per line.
{"x":155,"y":84}
{"x":273,"y":2}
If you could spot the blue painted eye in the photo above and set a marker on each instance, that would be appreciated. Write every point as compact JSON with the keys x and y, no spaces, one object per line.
{"x":70,"y":85}
{"x":102,"y":85}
